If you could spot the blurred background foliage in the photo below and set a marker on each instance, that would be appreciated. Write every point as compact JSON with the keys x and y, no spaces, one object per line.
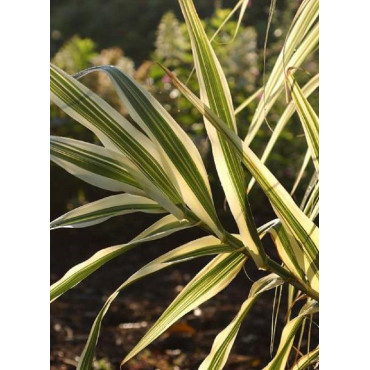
{"x":136,"y":34}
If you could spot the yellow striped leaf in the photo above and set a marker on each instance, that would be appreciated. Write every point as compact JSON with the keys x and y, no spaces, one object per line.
{"x":179,"y":154}
{"x":305,"y":361}
{"x":308,"y":117}
{"x":215,"y":93}
{"x":165,"y":226}
{"x":307,"y":90}
{"x":301,"y":226}
{"x":224,"y":341}
{"x":96,"y":212}
{"x":206,"y":284}
{"x":118,"y":134}
{"x":287,"y":337}
{"x":95,"y":165}
{"x":293,"y":53}
{"x":197,"y":248}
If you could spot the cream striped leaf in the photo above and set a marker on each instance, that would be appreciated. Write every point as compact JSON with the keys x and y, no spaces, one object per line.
{"x":301,"y":226}
{"x":206,"y":284}
{"x":91,"y":111}
{"x":309,"y":119}
{"x":106,"y":169}
{"x":179,"y":154}
{"x":117,"y":133}
{"x":289,"y":251}
{"x":160,"y":229}
{"x":287,"y":337}
{"x":249,"y":100}
{"x":301,"y":171}
{"x":307,"y":90}
{"x":94,"y":164}
{"x":289,"y":57}
{"x":294,"y":258}
{"x":224,"y":341}
{"x":215,"y":93}
{"x":312,"y":206}
{"x":96,"y":212}
{"x":305,"y":361}
{"x":242,"y":4}
{"x":197,"y":248}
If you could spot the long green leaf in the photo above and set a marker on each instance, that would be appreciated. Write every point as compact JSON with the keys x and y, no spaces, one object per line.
{"x":197,"y":248}
{"x":301,"y":171}
{"x":293,"y":54}
{"x":287,"y":337}
{"x":311,"y":207}
{"x":116,"y":133}
{"x":166,"y":226}
{"x":179,"y":154}
{"x":215,"y":93}
{"x":242,"y":4}
{"x":248,"y":100}
{"x":94,"y":164}
{"x":206,"y":284}
{"x":301,"y":226}
{"x":309,"y":119}
{"x":96,"y":212}
{"x":224,"y":341}
{"x":289,"y":251}
{"x":307,"y":90}
{"x":293,"y":257}
{"x":305,"y":361}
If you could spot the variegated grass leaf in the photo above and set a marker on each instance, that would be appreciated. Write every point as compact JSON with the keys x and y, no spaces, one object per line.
{"x":116,"y":133}
{"x":224,"y":341}
{"x":301,"y":42}
{"x":301,"y":226}
{"x":160,"y":229}
{"x":287,"y":337}
{"x":197,"y":248}
{"x":103,"y":209}
{"x":207,"y":283}
{"x":215,"y":93}
{"x":180,"y":157}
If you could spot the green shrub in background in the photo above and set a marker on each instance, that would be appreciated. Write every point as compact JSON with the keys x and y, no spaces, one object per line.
{"x":156,"y":168}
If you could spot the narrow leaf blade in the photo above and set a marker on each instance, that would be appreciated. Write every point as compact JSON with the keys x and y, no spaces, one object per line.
{"x":215,"y":93}
{"x":96,"y":212}
{"x":301,"y":226}
{"x":207,"y":283}
{"x":197,"y":248}
{"x":166,"y":226}
{"x":94,"y":164}
{"x":224,"y":341}
{"x":179,"y":154}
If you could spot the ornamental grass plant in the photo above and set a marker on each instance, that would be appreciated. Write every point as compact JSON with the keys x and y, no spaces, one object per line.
{"x":152,"y":165}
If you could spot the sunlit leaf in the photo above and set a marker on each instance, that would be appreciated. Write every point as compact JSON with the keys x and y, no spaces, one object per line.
{"x":301,"y":226}
{"x":206,"y":284}
{"x":301,"y":42}
{"x":180,"y":157}
{"x":197,"y":248}
{"x":224,"y":341}
{"x":166,"y":226}
{"x":215,"y":93}
{"x":287,"y":337}
{"x":96,"y":212}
